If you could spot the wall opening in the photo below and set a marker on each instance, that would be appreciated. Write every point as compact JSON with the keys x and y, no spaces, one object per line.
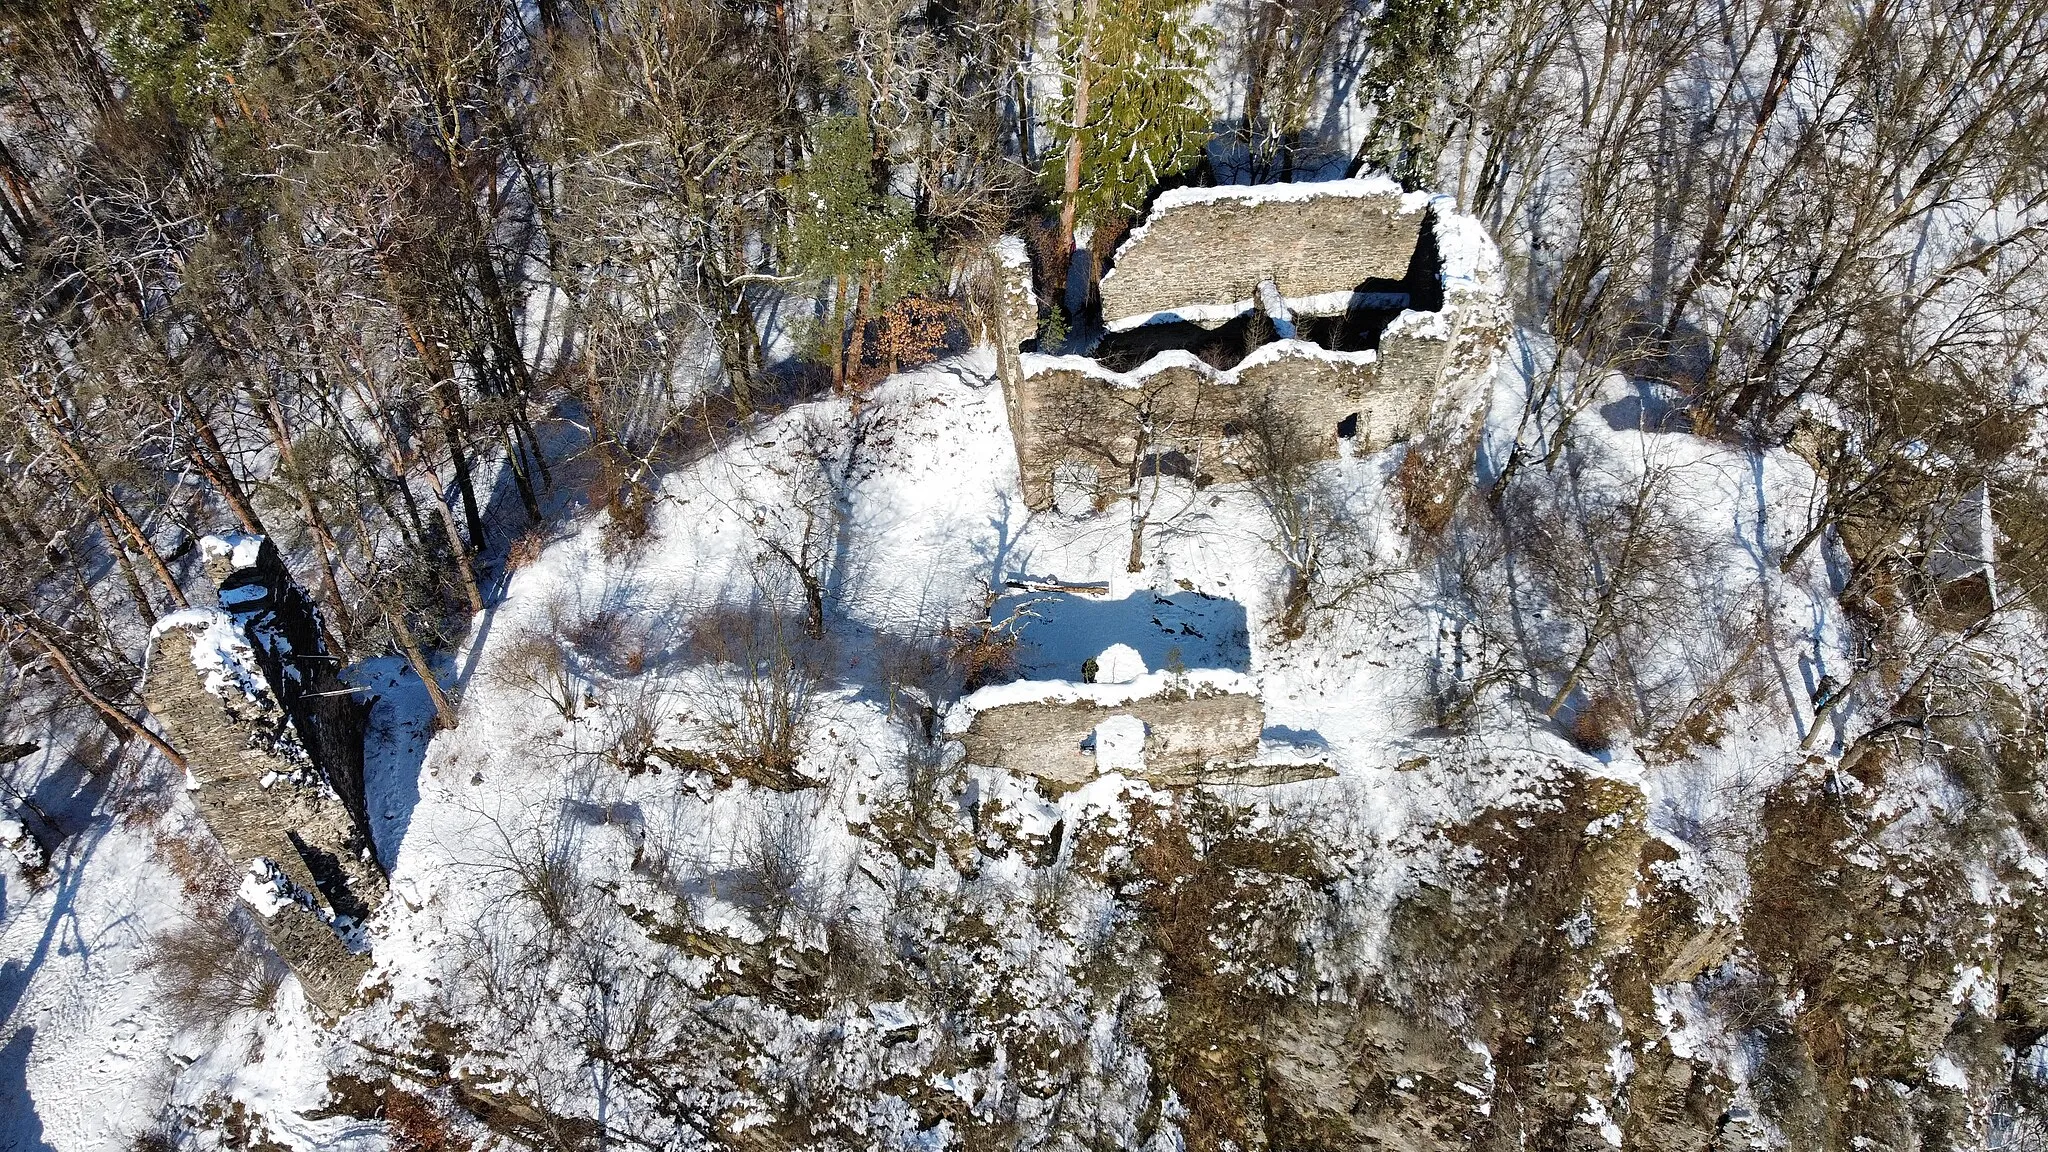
{"x":1347,"y":428}
{"x":1173,"y":463}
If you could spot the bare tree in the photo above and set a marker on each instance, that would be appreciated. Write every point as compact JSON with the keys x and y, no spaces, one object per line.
{"x":765,"y":676}
{"x":1284,"y":461}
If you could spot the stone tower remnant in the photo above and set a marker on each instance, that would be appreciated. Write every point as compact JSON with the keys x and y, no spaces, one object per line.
{"x":273,"y":740}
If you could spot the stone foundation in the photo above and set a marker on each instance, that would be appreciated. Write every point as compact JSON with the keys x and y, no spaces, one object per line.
{"x":1195,"y":725}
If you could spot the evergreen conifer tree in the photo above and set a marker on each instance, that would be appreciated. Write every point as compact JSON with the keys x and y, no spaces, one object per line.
{"x":1136,"y":80}
{"x":1413,"y":46}
{"x":860,"y":237}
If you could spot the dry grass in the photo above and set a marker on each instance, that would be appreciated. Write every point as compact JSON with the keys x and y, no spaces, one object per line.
{"x":1602,"y":721}
{"x":419,"y":1124}
{"x":535,"y":663}
{"x":1428,"y":485}
{"x":204,"y":872}
{"x":213,"y":966}
{"x":526,"y":549}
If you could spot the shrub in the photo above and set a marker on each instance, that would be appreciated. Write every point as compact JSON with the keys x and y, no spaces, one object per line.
{"x":917,"y":674}
{"x":164,"y":1134}
{"x":536,"y":663}
{"x":1600,"y":722}
{"x":1427,"y":486}
{"x":632,"y":725}
{"x":204,"y":872}
{"x":776,"y":859}
{"x":759,"y":717}
{"x":210,"y":967}
{"x":526,"y":549}
{"x":627,"y":501}
{"x":916,"y":330}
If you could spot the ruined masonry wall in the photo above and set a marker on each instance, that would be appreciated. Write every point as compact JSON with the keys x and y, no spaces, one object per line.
{"x":1210,"y":247}
{"x":1016,"y":321}
{"x":1072,"y":409}
{"x":1185,"y":732}
{"x":266,"y":730}
{"x":1070,"y":414}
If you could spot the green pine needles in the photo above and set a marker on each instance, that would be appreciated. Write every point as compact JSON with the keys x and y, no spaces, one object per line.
{"x":848,"y":229}
{"x":1147,"y":116}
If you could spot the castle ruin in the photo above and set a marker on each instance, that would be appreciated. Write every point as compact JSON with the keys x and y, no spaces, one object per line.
{"x":1349,"y":309}
{"x":1355,"y":309}
{"x":273,"y":742}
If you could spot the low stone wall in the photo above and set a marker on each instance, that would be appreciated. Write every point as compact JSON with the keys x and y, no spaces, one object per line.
{"x":1210,"y":247}
{"x":1188,"y":726}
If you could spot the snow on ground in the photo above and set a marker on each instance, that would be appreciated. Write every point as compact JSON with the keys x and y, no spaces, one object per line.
{"x":83,"y":1046}
{"x":927,"y":526}
{"x":935,"y":522}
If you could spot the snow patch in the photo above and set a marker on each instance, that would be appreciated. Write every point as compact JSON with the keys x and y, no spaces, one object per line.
{"x":220,"y":652}
{"x":1120,"y":744}
{"x":239,"y":549}
{"x":1119,"y":664}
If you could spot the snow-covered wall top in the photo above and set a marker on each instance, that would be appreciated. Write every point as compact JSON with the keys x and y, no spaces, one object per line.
{"x":220,"y":654}
{"x":1371,"y":184}
{"x":1035,"y":363}
{"x":1200,"y":681}
{"x":1208,"y":248}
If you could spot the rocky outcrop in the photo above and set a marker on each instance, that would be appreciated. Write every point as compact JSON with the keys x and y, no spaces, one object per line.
{"x":273,"y":741}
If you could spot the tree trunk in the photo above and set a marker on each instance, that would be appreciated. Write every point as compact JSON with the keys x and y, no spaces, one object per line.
{"x":1610,"y":596}
{"x":324,"y":548}
{"x":856,"y":340}
{"x":117,"y":715}
{"x":112,"y":515}
{"x":445,"y":717}
{"x":207,"y":448}
{"x":1070,"y":189}
{"x":127,"y":568}
{"x":1294,"y":609}
{"x":839,"y":336}
{"x":463,"y":568}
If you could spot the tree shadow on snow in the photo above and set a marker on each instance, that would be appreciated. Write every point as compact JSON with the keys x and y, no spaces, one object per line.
{"x":21,"y":1130}
{"x":394,"y":748}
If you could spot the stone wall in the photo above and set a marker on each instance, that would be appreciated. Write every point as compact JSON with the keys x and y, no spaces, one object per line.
{"x":284,"y":628}
{"x":1075,"y":422}
{"x":1016,"y":324}
{"x":1210,"y":247}
{"x":1072,"y":411}
{"x":1187,"y":729}
{"x":272,"y":740}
